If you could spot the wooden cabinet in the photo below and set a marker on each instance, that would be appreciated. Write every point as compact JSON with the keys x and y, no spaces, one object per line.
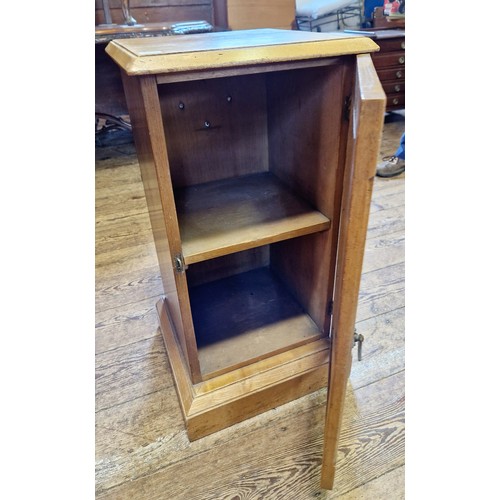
{"x":258,"y":151}
{"x":390,"y":65}
{"x":248,"y":14}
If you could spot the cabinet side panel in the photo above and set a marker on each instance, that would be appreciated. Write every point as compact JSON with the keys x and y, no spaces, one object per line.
{"x":163,"y":217}
{"x":304,"y":121}
{"x":216,"y":128}
{"x":303,"y":265}
{"x":308,"y":135}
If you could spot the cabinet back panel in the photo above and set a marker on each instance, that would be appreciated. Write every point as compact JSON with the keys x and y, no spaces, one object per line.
{"x":215,"y":129}
{"x":228,"y":265}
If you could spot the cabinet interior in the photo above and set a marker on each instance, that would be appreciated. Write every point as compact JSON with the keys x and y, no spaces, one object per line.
{"x":254,"y":163}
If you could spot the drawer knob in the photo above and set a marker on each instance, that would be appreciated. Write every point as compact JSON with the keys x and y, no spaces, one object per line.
{"x":402,"y":60}
{"x":399,"y":74}
{"x":395,"y":101}
{"x":403,"y":44}
{"x":397,"y":88}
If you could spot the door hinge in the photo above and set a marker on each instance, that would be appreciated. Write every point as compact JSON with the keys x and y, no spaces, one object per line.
{"x":329,"y":309}
{"x":347,"y":108}
{"x":179,"y":264}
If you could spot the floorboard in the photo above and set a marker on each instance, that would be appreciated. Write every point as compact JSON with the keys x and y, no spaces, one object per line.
{"x":141,"y":446}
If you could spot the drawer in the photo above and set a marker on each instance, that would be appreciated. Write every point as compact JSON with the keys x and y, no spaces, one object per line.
{"x":391,"y":44}
{"x":387,"y":75}
{"x":389,"y":59}
{"x":397,"y":87}
{"x":395,"y":101}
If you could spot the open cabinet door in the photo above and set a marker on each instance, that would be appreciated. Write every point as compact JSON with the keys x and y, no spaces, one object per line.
{"x":366,"y":123}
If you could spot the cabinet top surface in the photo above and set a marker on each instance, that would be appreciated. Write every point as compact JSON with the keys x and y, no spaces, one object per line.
{"x":140,"y":56}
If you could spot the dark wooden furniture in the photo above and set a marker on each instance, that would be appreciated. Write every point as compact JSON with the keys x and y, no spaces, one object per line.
{"x":156,"y":11}
{"x":390,"y":65}
{"x":153,"y":19}
{"x":258,"y":151}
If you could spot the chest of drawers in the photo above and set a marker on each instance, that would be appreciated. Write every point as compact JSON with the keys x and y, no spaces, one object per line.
{"x":389,"y":63}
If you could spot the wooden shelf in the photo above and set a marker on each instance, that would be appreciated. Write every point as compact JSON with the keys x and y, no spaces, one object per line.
{"x":230,"y":215}
{"x":245,"y":318}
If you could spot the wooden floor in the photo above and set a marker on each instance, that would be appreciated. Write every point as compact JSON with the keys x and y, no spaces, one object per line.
{"x":142,"y":450}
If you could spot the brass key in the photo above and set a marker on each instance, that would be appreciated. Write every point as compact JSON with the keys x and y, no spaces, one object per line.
{"x":359,"y":339}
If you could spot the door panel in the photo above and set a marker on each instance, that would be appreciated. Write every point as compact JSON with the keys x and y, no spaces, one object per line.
{"x":367,"y":116}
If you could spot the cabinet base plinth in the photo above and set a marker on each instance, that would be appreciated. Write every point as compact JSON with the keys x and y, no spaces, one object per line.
{"x":230,"y":398}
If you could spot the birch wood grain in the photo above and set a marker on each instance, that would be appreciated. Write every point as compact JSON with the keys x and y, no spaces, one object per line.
{"x":366,"y":133}
{"x":228,"y":49}
{"x":147,"y":124}
{"x":232,"y":215}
